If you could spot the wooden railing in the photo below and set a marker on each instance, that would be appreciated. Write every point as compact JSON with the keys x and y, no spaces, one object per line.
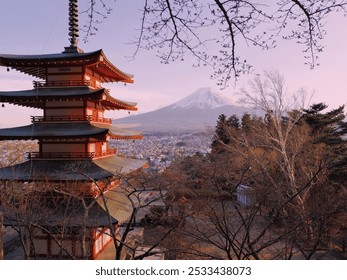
{"x":64,"y":83}
{"x":40,"y":119}
{"x":69,"y":155}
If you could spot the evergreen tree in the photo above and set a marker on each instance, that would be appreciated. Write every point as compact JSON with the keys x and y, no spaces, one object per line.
{"x":330,"y":128}
{"x":326,"y":125}
{"x":221,"y":135}
{"x":233,"y":122}
{"x":246,"y":121}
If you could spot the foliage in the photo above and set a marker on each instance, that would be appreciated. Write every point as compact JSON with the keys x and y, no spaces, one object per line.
{"x":221,"y":134}
{"x":330,"y":128}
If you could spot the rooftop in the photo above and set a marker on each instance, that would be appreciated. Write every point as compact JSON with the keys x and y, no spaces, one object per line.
{"x":71,"y":170}
{"x":36,"y":97}
{"x":73,"y":129}
{"x":36,"y":65}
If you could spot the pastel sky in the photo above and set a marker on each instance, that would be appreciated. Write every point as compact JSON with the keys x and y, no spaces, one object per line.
{"x":41,"y":26}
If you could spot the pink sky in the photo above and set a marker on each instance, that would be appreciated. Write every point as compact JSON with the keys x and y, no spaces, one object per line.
{"x":40,"y":26}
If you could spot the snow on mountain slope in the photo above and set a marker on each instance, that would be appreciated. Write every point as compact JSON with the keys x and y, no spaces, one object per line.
{"x":195,"y":112}
{"x":203,"y":98}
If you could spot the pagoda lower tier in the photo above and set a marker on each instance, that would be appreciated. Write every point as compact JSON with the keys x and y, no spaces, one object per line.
{"x":56,"y":223}
{"x":71,"y":129}
{"x":71,"y":170}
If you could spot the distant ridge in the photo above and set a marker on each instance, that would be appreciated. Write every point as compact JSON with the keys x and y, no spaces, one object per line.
{"x":194,"y":113}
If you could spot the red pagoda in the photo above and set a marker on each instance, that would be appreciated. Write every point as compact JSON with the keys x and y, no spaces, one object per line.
{"x":73,"y":155}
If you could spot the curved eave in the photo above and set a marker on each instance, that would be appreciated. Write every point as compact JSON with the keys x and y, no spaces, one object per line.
{"x":120,"y":165}
{"x":64,"y":130}
{"x":109,"y":72}
{"x":35,"y":65}
{"x":112,"y":103}
{"x":117,"y":133}
{"x":71,"y":170}
{"x":117,"y":203}
{"x":35,"y":98}
{"x":52,"y":130}
{"x":70,"y":213}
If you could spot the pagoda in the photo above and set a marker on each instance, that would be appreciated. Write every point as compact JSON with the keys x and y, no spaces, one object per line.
{"x":74,"y":171}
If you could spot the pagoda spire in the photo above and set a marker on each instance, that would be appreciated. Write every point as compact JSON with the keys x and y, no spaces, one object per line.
{"x":73,"y":27}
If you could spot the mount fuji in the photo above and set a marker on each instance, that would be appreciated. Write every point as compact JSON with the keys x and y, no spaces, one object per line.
{"x":204,"y":99}
{"x":193,"y":113}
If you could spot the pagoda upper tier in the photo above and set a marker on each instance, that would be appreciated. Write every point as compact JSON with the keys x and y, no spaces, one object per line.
{"x":91,"y":68}
{"x":38,"y":98}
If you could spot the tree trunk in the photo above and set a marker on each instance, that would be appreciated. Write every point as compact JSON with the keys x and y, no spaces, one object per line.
{"x":1,"y":238}
{"x":84,"y":251}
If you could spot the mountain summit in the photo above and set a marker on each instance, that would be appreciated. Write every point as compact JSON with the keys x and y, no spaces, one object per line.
{"x":193,"y":113}
{"x":203,"y":98}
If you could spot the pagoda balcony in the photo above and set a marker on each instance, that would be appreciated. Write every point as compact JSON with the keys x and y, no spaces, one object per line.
{"x":76,"y":118}
{"x":69,"y":155}
{"x":65,"y":83}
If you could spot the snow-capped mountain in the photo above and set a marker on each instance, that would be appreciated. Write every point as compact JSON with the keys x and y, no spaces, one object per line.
{"x":195,"y":112}
{"x":203,"y":98}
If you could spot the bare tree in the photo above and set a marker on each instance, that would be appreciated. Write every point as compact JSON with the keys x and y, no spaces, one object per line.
{"x":215,"y":31}
{"x":294,"y":166}
{"x":150,"y":211}
{"x":42,"y":213}
{"x":14,"y":152}
{"x":64,"y":214}
{"x":217,"y":226}
{"x":293,"y":203}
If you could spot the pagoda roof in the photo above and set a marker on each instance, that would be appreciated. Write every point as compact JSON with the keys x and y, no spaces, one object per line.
{"x":117,"y":203}
{"x":67,"y":130}
{"x":36,"y":97}
{"x":36,"y":65}
{"x":67,"y":214}
{"x":71,"y":170}
{"x":71,"y":212}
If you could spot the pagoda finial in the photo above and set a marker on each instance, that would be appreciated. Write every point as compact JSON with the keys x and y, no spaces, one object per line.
{"x":73,"y":22}
{"x":73,"y":27}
